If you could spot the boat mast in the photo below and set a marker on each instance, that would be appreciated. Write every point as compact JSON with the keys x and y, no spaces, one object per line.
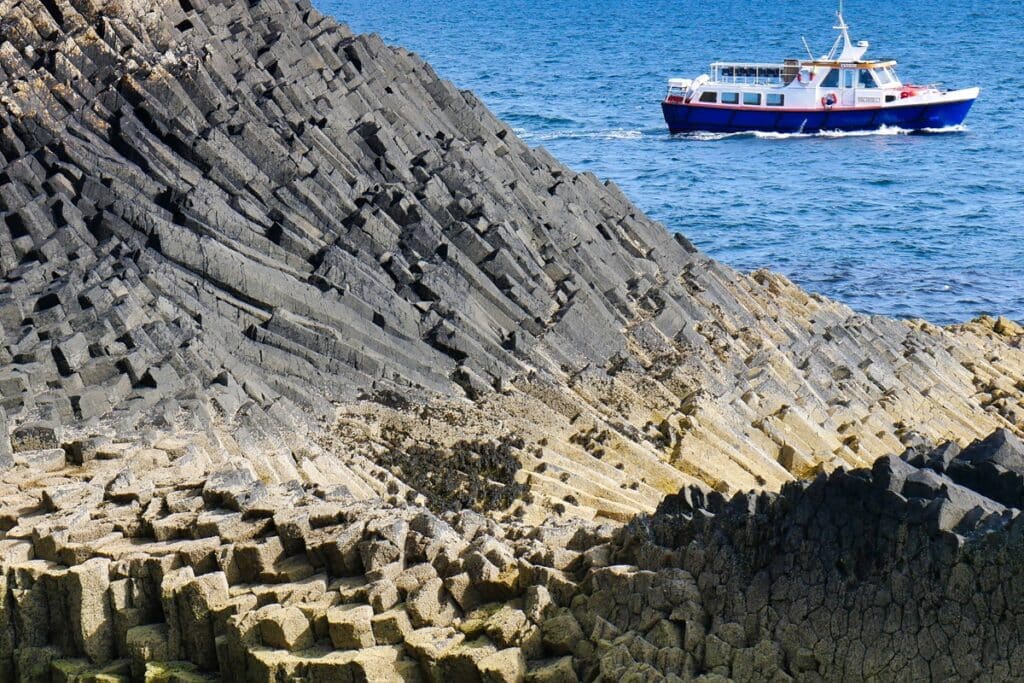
{"x":844,"y":35}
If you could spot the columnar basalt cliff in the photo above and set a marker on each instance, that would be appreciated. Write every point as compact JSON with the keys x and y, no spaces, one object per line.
{"x":300,"y":346}
{"x":905,"y":571}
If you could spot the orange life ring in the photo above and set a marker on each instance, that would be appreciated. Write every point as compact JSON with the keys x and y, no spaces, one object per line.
{"x":829,"y":100}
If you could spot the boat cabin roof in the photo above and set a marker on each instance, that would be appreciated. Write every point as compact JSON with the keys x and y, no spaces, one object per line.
{"x":832,"y":64}
{"x":748,"y":65}
{"x":843,"y":55}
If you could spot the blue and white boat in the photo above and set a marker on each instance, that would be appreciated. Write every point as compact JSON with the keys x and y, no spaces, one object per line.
{"x":841,"y":91}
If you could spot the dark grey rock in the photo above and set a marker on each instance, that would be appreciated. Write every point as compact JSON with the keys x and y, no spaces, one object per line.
{"x":125,"y":487}
{"x":1001,"y":448}
{"x":940,"y":458}
{"x":71,"y":354}
{"x":36,"y":436}
{"x":891,"y":472}
{"x":6,"y":452}
{"x":81,"y":451}
{"x":230,"y":488}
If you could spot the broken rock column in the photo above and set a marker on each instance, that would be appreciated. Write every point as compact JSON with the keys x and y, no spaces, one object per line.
{"x":89,"y":609}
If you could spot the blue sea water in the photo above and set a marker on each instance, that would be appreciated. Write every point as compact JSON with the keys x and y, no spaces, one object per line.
{"x":925,"y":226}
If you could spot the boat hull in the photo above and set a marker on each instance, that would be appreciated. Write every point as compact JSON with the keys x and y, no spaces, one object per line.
{"x":687,"y":118}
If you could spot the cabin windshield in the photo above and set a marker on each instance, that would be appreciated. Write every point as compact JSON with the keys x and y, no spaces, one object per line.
{"x":886,"y":76}
{"x":867,"y":79}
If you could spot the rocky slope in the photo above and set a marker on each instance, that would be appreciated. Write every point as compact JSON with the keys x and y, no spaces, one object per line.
{"x":281,"y":313}
{"x":218,"y":214}
{"x":905,"y":571}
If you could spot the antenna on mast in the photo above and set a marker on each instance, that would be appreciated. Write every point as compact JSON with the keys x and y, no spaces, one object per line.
{"x":841,"y":26}
{"x":844,"y":34}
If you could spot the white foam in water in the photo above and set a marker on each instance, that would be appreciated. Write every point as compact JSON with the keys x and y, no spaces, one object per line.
{"x":623,"y":135}
{"x":768,"y":135}
{"x":884,"y":130}
{"x":961,"y":128}
{"x":706,"y":136}
{"x":771,"y":135}
{"x":615,"y":134}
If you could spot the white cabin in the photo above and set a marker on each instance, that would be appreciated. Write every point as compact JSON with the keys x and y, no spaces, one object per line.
{"x":842,"y":78}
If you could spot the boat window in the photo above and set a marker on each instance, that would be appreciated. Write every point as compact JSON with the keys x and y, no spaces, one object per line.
{"x":752,"y":98}
{"x":848,"y":77}
{"x":709,"y":96}
{"x":866,"y":81}
{"x":775,"y":99}
{"x":886,"y":76}
{"x":831,"y":79}
{"x":730,"y":98}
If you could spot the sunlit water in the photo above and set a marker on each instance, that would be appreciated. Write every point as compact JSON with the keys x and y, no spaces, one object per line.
{"x":926,"y":225}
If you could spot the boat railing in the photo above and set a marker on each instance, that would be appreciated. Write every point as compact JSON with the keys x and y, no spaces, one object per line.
{"x":746,"y":73}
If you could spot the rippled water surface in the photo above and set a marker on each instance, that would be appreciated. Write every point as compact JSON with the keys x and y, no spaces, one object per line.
{"x":909,"y":225}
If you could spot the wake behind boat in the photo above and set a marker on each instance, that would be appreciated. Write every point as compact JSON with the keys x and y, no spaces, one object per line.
{"x":838,"y":92}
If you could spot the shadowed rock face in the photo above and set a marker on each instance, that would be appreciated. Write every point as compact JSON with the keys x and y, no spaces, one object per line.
{"x":281,"y":314}
{"x":897,"y":572}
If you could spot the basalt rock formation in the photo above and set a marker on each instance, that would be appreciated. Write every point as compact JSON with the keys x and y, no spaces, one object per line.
{"x":219,"y":213}
{"x":282,"y":315}
{"x":905,"y":571}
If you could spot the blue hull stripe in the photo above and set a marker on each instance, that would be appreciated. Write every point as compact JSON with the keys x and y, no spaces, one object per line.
{"x":683,"y":118}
